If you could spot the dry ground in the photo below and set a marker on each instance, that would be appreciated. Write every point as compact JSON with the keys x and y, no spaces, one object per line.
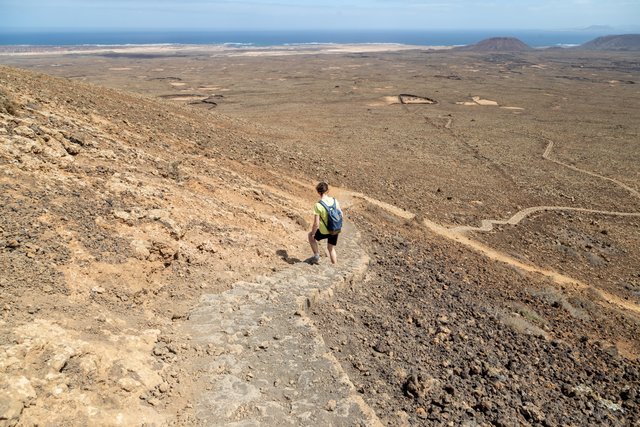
{"x":469,"y":338}
{"x":112,"y":226}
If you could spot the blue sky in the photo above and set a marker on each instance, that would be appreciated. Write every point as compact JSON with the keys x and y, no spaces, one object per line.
{"x":330,"y":14}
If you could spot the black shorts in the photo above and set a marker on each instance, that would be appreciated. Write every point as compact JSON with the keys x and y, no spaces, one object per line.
{"x":333,"y":238}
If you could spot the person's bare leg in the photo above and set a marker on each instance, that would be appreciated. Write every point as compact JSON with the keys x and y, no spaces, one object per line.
{"x":314,"y":244}
{"x":332,"y":253}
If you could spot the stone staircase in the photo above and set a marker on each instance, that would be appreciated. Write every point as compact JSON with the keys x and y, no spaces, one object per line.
{"x":267,"y":363}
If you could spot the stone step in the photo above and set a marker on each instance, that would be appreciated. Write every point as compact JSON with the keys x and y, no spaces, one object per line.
{"x":267,"y":362}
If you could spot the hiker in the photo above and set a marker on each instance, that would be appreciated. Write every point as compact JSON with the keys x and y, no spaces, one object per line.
{"x":327,"y":222}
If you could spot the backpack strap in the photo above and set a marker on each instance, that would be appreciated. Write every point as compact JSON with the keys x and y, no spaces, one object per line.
{"x":326,"y":208}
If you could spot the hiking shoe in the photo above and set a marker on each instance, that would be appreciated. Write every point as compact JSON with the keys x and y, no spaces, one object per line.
{"x":314,"y":260}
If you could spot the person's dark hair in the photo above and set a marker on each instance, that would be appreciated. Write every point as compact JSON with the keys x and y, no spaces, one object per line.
{"x":322,"y":187}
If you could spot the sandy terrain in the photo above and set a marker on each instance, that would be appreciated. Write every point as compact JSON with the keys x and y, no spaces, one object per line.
{"x":502,"y":222}
{"x":224,"y":49}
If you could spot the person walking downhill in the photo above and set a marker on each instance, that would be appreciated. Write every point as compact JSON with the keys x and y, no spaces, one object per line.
{"x":327,"y":223}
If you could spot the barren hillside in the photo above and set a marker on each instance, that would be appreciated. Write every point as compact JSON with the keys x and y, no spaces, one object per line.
{"x":117,"y":213}
{"x":151,"y":248}
{"x":628,"y":42}
{"x":497,"y":44}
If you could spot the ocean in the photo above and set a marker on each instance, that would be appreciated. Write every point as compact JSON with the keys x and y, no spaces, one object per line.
{"x":280,"y":38}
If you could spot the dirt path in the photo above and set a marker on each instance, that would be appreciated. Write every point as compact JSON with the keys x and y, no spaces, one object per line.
{"x":547,"y":156}
{"x":565,"y":282}
{"x":487,"y":224}
{"x":458,"y":234}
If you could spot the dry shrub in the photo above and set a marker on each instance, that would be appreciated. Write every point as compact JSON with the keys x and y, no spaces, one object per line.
{"x":522,"y":325}
{"x":7,"y":105}
{"x":555,"y":298}
{"x":528,"y":313}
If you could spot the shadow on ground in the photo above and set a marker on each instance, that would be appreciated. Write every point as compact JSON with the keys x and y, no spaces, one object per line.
{"x":282,"y":253}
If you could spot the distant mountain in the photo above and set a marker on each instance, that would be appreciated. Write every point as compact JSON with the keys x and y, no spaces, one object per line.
{"x":619,"y":42}
{"x":497,"y":44}
{"x":597,"y":28}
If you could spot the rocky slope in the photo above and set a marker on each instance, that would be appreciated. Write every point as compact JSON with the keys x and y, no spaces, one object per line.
{"x":117,"y":212}
{"x":436,"y":336}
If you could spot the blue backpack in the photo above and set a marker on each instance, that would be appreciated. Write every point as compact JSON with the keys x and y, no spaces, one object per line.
{"x":334,"y":217}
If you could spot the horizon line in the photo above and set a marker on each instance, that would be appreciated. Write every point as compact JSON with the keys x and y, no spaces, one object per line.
{"x":8,"y":30}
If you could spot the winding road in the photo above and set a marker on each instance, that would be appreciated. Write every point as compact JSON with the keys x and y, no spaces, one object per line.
{"x":547,"y":156}
{"x":459,"y":234}
{"x":487,"y":224}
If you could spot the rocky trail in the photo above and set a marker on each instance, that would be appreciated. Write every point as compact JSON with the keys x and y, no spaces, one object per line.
{"x":244,"y":378}
{"x":109,"y":233}
{"x":266,"y":362}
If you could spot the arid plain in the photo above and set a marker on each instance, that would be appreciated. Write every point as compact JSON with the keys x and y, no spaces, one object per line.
{"x":532,"y":319}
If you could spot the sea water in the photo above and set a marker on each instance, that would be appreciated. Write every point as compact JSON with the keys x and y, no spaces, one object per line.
{"x":278,"y":38}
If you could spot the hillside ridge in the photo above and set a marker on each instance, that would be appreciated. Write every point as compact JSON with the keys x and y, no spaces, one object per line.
{"x":118,"y":212}
{"x":621,"y":42}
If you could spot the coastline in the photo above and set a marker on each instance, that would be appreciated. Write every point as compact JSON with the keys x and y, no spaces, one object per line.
{"x":213,"y":49}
